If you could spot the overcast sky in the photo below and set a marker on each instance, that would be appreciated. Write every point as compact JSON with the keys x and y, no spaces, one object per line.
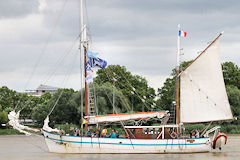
{"x":38,"y":37}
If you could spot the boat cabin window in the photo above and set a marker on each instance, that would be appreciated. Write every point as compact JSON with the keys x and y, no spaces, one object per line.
{"x":142,"y":132}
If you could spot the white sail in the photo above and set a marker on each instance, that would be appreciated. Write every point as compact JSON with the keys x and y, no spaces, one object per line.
{"x":125,"y":117}
{"x":203,"y":95}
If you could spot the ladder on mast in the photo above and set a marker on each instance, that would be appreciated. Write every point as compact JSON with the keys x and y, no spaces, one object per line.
{"x":91,"y":101}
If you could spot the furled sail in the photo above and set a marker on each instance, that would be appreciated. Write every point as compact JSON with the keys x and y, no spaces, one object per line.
{"x":14,"y":122}
{"x":46,"y":126}
{"x":203,"y":95}
{"x":125,"y":117}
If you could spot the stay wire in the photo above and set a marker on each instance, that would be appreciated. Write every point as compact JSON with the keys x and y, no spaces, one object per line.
{"x":64,"y":82}
{"x":123,"y":100}
{"x":61,"y":59}
{"x":43,"y":50}
{"x":50,"y":75}
{"x":67,"y":53}
{"x":46,"y":44}
{"x":122,"y":123}
{"x":132,"y":87}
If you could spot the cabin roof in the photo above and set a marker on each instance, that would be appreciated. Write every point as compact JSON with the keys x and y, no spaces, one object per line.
{"x":46,"y":88}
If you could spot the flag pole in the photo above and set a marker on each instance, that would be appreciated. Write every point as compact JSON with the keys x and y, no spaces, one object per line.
{"x":84,"y":47}
{"x":177,"y":77}
{"x":81,"y":65}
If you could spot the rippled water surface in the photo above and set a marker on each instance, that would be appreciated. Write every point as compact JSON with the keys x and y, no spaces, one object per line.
{"x":34,"y":148}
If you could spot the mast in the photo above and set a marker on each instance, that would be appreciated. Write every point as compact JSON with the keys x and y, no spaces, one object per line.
{"x":86,"y":94}
{"x":84,"y":47}
{"x":177,"y":77}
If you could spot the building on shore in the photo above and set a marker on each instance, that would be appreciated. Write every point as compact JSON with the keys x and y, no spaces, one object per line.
{"x":41,"y":90}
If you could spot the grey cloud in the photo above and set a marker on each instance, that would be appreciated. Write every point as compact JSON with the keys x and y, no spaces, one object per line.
{"x":142,"y":32}
{"x":17,"y":8}
{"x":131,"y":20}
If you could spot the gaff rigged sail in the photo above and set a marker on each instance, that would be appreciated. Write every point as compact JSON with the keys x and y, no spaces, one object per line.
{"x":203,"y":96}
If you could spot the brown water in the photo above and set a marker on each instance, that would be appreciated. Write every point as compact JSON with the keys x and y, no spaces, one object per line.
{"x":34,"y":148}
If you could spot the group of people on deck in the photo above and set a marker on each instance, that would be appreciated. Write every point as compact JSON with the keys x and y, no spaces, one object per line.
{"x":195,"y":133}
{"x":103,"y":133}
{"x":96,"y":133}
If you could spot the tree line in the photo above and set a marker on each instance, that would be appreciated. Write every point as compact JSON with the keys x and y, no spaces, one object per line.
{"x":131,"y":93}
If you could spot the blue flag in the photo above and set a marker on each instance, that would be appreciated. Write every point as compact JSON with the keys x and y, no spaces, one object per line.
{"x":92,"y":54}
{"x":99,"y":63}
{"x":95,"y":62}
{"x":89,"y":64}
{"x":89,"y":78}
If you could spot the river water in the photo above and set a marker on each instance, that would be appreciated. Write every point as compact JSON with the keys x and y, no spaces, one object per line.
{"x":19,"y":147}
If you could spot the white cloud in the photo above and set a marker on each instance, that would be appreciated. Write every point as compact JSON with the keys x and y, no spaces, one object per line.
{"x":42,"y":5}
{"x":140,"y":35}
{"x":156,"y":81}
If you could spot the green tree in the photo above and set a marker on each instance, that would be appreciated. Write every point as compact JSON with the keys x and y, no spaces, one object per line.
{"x":65,"y":111}
{"x":234,"y":99}
{"x":29,"y":103}
{"x":3,"y":116}
{"x":104,"y":99}
{"x":134,"y":87}
{"x":8,"y":98}
{"x":166,"y":94}
{"x":231,"y":74}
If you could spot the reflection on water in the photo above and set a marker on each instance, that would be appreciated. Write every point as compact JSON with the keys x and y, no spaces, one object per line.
{"x":34,"y":148}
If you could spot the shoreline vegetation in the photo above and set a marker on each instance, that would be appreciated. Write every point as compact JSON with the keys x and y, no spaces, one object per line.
{"x":67,"y":110}
{"x":9,"y":131}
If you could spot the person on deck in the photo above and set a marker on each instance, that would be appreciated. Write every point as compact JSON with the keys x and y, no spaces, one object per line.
{"x":197,"y":133}
{"x":62,"y":132}
{"x":98,"y":132}
{"x":117,"y":134}
{"x":95,"y":134}
{"x":104,"y":132}
{"x":113,"y":134}
{"x":89,"y":133}
{"x":193,"y":134}
{"x":77,"y":133}
{"x":71,"y":131}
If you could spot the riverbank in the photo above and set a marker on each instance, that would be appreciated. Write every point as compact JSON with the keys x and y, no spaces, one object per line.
{"x":9,"y":131}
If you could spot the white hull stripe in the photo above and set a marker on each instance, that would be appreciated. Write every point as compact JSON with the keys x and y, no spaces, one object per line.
{"x":127,"y":143}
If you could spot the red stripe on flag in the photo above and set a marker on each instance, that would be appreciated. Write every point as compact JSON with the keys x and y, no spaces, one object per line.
{"x":185,"y":34}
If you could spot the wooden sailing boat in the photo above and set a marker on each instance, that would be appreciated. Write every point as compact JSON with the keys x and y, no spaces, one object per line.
{"x":202,"y":99}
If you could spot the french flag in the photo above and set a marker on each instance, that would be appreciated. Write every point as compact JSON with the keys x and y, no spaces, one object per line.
{"x":182,"y":34}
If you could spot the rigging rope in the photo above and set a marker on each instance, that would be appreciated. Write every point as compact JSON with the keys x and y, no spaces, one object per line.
{"x":60,"y":60}
{"x":145,"y":103}
{"x":123,"y":100}
{"x":46,"y":44}
{"x":43,"y":50}
{"x":57,"y":65}
{"x":64,"y":81}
